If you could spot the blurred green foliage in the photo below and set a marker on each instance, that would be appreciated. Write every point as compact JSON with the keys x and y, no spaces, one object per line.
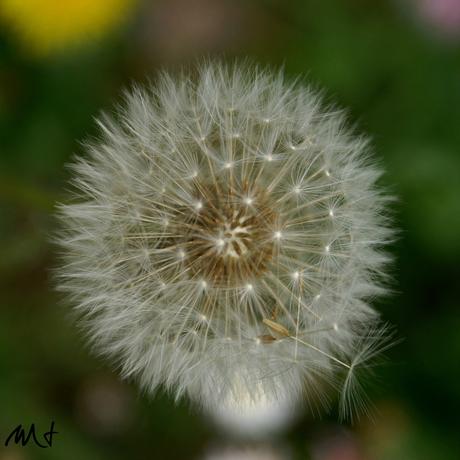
{"x":401,"y":84}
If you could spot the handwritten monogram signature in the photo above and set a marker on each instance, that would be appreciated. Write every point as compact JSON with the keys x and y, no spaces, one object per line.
{"x":23,"y":436}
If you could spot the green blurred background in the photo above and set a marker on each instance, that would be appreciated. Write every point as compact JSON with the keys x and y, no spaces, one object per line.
{"x":394,"y":64}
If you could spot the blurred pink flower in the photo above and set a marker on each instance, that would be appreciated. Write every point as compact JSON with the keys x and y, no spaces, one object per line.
{"x":338,"y":446}
{"x":256,"y":453}
{"x":443,"y":15}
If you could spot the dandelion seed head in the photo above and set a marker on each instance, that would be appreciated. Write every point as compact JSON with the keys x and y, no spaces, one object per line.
{"x":193,"y":267}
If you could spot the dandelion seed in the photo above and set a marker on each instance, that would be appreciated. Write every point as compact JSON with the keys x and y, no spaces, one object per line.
{"x":142,"y":286}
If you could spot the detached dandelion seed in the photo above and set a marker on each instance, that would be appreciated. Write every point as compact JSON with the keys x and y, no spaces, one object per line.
{"x":196,"y":267}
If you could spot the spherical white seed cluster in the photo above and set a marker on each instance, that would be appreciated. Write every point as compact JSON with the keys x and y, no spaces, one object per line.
{"x":226,"y":237}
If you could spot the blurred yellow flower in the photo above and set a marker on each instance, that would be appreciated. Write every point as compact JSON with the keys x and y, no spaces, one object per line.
{"x":48,"y":26}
